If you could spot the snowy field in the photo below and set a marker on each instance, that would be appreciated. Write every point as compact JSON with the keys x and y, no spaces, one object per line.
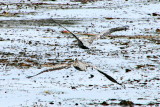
{"x":30,"y":43}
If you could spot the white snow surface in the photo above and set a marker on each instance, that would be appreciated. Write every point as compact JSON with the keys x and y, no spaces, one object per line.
{"x":68,"y":87}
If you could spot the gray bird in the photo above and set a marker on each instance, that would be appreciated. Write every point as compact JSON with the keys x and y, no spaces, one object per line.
{"x":79,"y":65}
{"x":84,"y":44}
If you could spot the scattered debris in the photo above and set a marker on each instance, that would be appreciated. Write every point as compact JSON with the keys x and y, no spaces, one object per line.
{"x":29,"y":44}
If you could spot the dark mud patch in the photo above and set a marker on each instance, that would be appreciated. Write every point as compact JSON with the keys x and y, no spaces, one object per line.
{"x":34,"y":22}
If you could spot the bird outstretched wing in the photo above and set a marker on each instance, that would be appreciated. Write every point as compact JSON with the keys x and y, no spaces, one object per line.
{"x":54,"y":67}
{"x":105,"y":33}
{"x":80,"y":42}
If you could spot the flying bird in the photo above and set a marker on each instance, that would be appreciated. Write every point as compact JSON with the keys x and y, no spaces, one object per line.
{"x":79,"y":65}
{"x":84,"y":44}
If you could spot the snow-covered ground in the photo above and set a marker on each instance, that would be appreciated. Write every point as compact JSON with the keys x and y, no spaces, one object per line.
{"x":31,"y":43}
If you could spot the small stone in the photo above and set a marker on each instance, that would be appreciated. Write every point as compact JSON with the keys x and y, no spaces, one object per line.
{"x":67,"y":76}
{"x":155,"y":14}
{"x":126,"y":103}
{"x":73,"y":87}
{"x":158,"y":30}
{"x":91,"y":76}
{"x":76,"y":104}
{"x":51,"y":102}
{"x":104,"y":103}
{"x":128,"y":70}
